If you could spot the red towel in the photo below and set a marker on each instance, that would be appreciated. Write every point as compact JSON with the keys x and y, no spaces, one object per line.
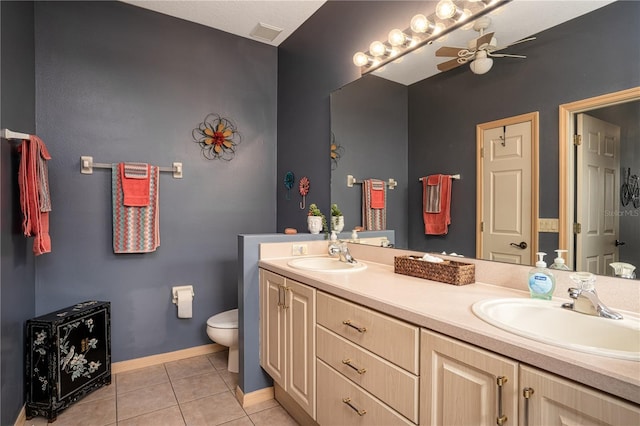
{"x":135,"y":184}
{"x":34,"y":193}
{"x":377,"y":194}
{"x":437,"y":223}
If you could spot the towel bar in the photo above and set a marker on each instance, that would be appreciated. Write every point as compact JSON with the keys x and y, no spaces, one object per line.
{"x":87,"y":165}
{"x":391,"y":183}
{"x":10,"y":134}
{"x":455,"y":177}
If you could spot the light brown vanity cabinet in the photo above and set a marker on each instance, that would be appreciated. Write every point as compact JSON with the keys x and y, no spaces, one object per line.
{"x":461,"y":384}
{"x":287,"y":337}
{"x":551,"y":400}
{"x":368,"y":365}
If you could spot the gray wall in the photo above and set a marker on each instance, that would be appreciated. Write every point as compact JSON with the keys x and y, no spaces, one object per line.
{"x":369,"y":120}
{"x":588,"y":56}
{"x":122,"y":83}
{"x":17,"y":112}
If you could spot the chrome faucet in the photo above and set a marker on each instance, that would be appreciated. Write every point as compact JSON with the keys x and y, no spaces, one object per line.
{"x":585,"y":298}
{"x":340,"y":249}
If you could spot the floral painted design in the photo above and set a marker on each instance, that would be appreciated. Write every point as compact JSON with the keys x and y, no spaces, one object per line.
{"x":39,"y":348}
{"x":218,"y":137}
{"x":73,"y":360}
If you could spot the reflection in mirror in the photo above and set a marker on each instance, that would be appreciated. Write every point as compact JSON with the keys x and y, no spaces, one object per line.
{"x":442,"y":112}
{"x":608,"y":240}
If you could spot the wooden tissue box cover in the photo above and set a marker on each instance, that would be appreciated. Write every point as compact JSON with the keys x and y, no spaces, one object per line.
{"x":68,"y":355}
{"x":449,"y":271}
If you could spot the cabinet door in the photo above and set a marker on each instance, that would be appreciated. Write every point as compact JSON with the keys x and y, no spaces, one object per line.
{"x":458,"y":384}
{"x":557,"y":401}
{"x":272,"y":328}
{"x":301,"y":351}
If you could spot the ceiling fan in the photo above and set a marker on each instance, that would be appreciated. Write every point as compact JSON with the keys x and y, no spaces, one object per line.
{"x":480,"y":51}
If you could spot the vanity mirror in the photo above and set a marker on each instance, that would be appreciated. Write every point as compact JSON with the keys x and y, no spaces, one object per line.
{"x":429,"y":126}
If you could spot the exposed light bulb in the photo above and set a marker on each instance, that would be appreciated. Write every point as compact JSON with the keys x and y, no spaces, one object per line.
{"x":377,"y":48}
{"x":397,"y":37}
{"x":445,"y":9}
{"x":360,"y":59}
{"x":439,"y":27}
{"x":419,"y":23}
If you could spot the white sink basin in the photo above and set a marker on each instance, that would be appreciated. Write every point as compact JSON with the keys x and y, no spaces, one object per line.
{"x":326,"y":264}
{"x":546,"y":321}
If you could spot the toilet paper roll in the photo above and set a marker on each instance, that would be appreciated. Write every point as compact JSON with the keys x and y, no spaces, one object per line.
{"x":185,"y":302}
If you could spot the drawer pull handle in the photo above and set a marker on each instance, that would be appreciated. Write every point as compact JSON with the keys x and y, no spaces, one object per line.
{"x":347,"y":362}
{"x":360,"y":329}
{"x":502,"y":418}
{"x":348,"y":402}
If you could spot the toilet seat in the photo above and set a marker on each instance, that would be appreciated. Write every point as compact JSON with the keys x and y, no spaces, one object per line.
{"x":226,"y":319}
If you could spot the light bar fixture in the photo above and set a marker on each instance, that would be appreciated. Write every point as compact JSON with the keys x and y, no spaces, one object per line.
{"x":448,"y":16}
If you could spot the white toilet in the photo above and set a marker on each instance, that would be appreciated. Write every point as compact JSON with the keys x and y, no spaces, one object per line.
{"x":222,"y":328}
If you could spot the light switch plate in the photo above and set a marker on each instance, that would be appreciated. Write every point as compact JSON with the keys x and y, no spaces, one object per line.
{"x":299,"y":249}
{"x":548,"y":225}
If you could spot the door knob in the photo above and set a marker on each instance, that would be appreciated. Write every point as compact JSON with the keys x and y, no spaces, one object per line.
{"x":620,"y":243}
{"x":522,"y":245}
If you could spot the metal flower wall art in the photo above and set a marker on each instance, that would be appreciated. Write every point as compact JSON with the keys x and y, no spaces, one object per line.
{"x":218,"y":137}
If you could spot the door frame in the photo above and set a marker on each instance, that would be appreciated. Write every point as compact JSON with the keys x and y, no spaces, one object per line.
{"x":566,"y":159}
{"x":534,"y":118}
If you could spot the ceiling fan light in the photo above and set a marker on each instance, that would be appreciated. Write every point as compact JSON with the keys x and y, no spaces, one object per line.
{"x":481,"y":65}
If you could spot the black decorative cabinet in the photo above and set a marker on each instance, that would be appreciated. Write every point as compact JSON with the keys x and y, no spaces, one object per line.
{"x":68,"y":355}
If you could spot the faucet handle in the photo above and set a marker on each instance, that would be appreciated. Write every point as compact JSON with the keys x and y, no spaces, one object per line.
{"x":574,"y":293}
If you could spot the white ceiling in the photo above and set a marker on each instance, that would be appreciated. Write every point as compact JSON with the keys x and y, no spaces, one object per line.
{"x":515,"y":21}
{"x":512,"y":22}
{"x":238,"y":17}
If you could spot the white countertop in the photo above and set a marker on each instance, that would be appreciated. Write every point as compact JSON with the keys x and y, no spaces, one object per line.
{"x":447,"y":309}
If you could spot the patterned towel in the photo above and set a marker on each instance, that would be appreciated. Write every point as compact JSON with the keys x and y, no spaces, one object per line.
{"x":135,"y":229}
{"x":432,"y":195}
{"x":375,"y":219}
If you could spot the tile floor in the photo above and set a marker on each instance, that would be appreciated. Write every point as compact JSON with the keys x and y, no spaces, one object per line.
{"x":195,"y":391}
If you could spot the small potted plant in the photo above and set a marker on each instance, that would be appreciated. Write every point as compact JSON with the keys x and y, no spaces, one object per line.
{"x":337,"y":219}
{"x":315,"y":219}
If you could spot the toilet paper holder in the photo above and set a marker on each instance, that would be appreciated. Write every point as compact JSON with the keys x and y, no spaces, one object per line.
{"x":176,"y":289}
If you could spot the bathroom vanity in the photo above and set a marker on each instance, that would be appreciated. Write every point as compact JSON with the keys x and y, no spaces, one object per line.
{"x":373,"y":347}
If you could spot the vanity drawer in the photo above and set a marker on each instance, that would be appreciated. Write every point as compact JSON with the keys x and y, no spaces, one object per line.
{"x":334,"y":389}
{"x":391,"y":384}
{"x":392,"y":339}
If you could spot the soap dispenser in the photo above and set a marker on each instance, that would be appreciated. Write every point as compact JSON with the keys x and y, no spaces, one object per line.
{"x":558,"y":262}
{"x":541,"y":280}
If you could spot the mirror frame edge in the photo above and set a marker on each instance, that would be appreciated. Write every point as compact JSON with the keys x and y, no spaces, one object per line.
{"x":565,"y":155}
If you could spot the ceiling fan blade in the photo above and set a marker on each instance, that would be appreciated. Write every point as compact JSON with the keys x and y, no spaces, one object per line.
{"x":484,"y":40}
{"x":505,"y":55}
{"x":448,"y":51}
{"x":521,"y":41}
{"x":514,"y":43}
{"x":451,"y":64}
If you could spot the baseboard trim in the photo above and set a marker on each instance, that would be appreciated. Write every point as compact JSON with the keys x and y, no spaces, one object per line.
{"x":22,"y":417}
{"x":292,"y":407}
{"x":148,"y":361}
{"x":255,"y":397}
